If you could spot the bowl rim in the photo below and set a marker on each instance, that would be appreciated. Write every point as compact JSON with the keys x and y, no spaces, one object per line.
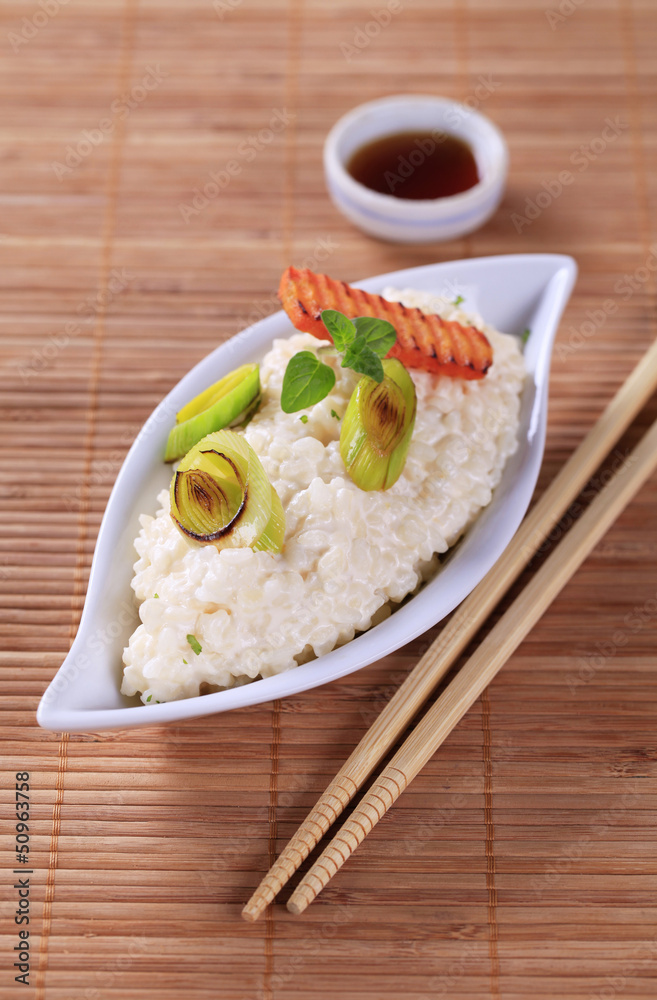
{"x":427,"y":211}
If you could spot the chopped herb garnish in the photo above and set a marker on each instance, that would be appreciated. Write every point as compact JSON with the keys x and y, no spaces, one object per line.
{"x":458,"y":300}
{"x":185,"y":662}
{"x":156,"y":595}
{"x":195,"y":644}
{"x":149,"y":697}
{"x":334,"y":414}
{"x":304,"y":418}
{"x":362,"y":342}
{"x":524,"y":336}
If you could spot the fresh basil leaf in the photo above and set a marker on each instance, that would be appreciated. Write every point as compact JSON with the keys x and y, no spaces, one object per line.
{"x":378,"y":334}
{"x":305,"y":382}
{"x":342,"y":330}
{"x":363,"y":360}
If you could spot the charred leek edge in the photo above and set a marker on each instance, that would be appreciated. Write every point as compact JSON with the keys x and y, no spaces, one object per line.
{"x":377,"y":428}
{"x":233,"y":399}
{"x":220,"y":495}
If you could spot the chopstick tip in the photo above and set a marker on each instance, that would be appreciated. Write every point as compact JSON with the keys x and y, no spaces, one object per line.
{"x":299,"y":901}
{"x":296,"y":908}
{"x":252,"y":911}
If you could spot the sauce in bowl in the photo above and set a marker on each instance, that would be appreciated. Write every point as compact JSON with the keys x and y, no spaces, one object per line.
{"x":415,"y":165}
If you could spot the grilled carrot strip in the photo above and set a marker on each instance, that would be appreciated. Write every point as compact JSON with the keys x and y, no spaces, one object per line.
{"x":424,"y":340}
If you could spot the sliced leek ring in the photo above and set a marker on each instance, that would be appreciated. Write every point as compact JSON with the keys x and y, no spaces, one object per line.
{"x":231,"y":400}
{"x":220,"y":495}
{"x":271,"y":540}
{"x":377,"y":428}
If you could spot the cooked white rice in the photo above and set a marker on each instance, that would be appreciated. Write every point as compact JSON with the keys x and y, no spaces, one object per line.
{"x":347,"y":554}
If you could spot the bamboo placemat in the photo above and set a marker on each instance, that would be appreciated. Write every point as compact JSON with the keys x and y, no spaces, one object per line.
{"x":522,"y":862}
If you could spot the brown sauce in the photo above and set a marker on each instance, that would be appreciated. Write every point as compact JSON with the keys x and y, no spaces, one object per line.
{"x":415,"y":165}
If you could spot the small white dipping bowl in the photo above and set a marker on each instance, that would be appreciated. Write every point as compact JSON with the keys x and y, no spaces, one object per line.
{"x":403,"y":220}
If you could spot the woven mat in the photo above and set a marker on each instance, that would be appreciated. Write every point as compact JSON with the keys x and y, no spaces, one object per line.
{"x":522,"y":862}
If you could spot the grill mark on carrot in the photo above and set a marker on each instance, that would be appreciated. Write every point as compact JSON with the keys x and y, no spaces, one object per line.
{"x":423,"y":340}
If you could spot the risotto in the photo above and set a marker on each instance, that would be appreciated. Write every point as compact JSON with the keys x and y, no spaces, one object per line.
{"x":349,"y":556}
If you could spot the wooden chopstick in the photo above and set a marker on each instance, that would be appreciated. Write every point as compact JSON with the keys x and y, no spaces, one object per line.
{"x":482,"y":666}
{"x":461,"y":628}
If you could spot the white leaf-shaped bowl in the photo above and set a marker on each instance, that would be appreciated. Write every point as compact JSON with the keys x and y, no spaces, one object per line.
{"x":512,"y":293}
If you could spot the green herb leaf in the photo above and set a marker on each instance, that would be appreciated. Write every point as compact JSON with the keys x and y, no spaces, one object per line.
{"x":524,"y":336}
{"x":156,"y":595}
{"x":304,"y":418}
{"x":185,"y":662}
{"x":363,"y":360}
{"x":306,"y":381}
{"x":342,"y":330}
{"x":149,"y":697}
{"x":458,"y":300}
{"x":334,"y":414}
{"x":195,"y":644}
{"x":378,"y":334}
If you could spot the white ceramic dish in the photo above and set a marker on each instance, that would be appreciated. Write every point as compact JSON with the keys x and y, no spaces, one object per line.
{"x":400,"y":219}
{"x":512,"y":293}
